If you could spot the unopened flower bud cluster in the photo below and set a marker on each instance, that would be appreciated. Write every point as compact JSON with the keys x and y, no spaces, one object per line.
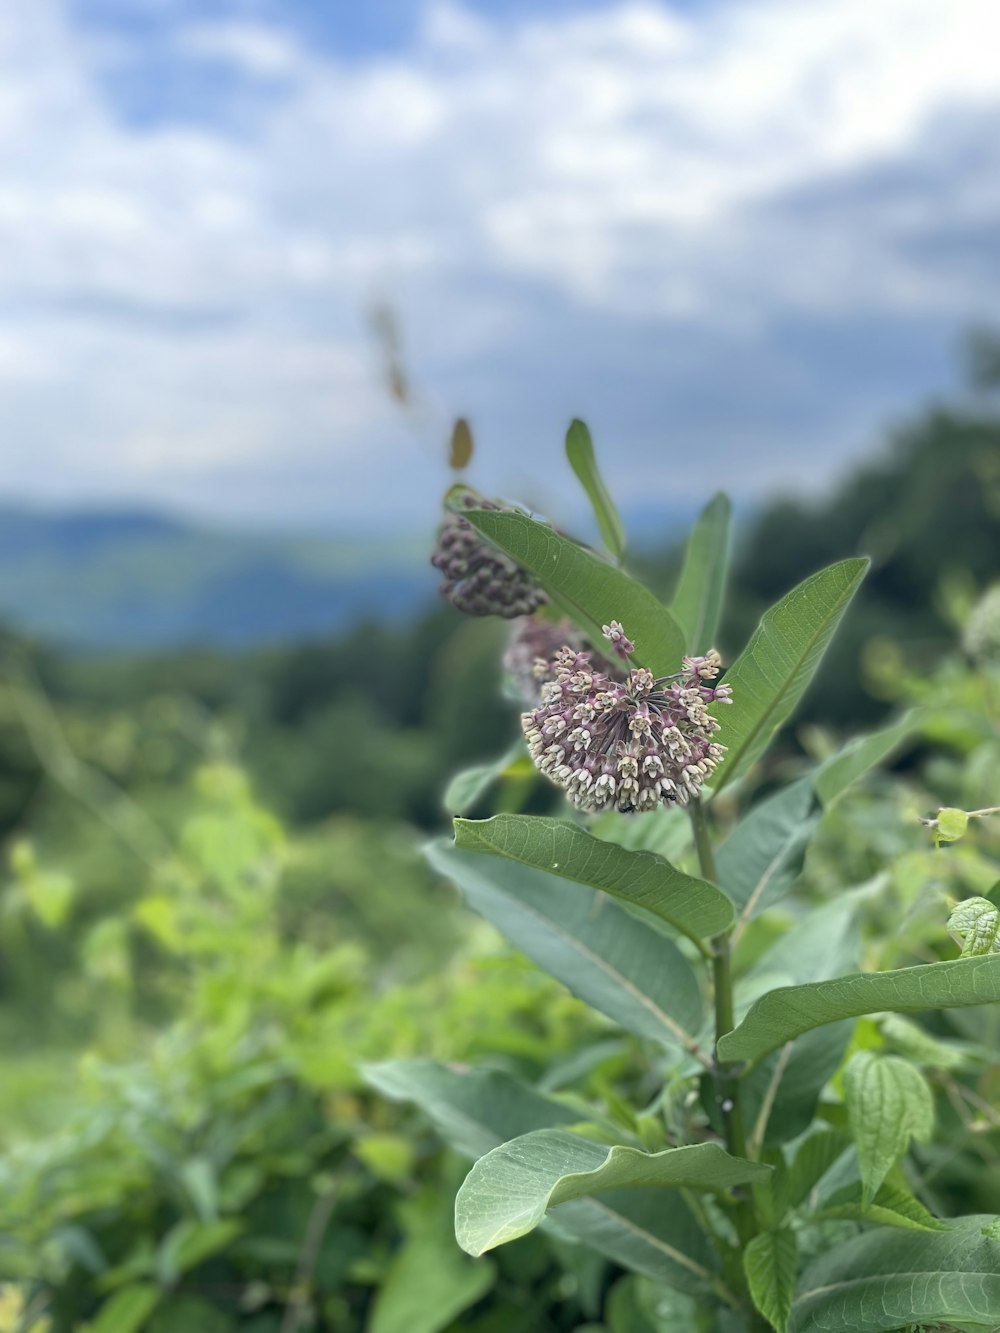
{"x":626,"y":744}
{"x":477,"y":578}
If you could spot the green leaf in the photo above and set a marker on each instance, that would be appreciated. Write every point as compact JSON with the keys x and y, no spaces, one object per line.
{"x":885,"y":1279}
{"x":586,"y":587}
{"x":693,"y":906}
{"x":190,"y":1243}
{"x":783,"y":1014}
{"x":473,"y":1110}
{"x":951,"y":824}
{"x":770,"y":675}
{"x":786,"y":1086}
{"x":977,"y":922}
{"x":762,"y":858}
{"x":128,"y":1309}
{"x":814,"y":1158}
{"x":429,"y":1282}
{"x":836,"y":774}
{"x":890,"y":1206}
{"x":917,"y":1044}
{"x":888,"y":1103}
{"x":701,"y":588}
{"x":469,"y":786}
{"x":610,"y":959}
{"x":771,"y":1263}
{"x":509,"y":1191}
{"x":476,"y":1110}
{"x":580,"y":452}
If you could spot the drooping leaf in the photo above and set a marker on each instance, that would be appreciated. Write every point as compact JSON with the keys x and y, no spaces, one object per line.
{"x":470,"y":785}
{"x":475,"y":1110}
{"x":509,"y":1191}
{"x":623,"y":967}
{"x":783,"y":1014}
{"x":888,"y":1103}
{"x":701,"y":588}
{"x":890,"y":1206}
{"x":886,"y":1279}
{"x":858,"y":756}
{"x":591,"y":591}
{"x":580,"y":452}
{"x":917,"y":1044}
{"x":693,"y":906}
{"x":771,"y":1262}
{"x":770,"y":675}
{"x":977,"y":922}
{"x":762,"y":858}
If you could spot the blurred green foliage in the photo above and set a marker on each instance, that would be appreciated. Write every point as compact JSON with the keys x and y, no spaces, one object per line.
{"x":212,"y":912}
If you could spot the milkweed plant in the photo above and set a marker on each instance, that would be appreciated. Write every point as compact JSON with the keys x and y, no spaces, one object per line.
{"x":768,"y":1184}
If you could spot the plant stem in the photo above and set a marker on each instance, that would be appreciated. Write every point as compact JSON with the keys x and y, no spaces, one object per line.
{"x":727,"y":1085}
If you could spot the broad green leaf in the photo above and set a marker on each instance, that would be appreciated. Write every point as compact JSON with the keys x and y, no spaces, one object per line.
{"x":853,"y":761}
{"x":769,"y":676}
{"x":605,"y":955}
{"x":471,"y":784}
{"x":814,"y":1158}
{"x":824,"y":943}
{"x":885,"y":1279}
{"x":580,"y":452}
{"x":476,"y":1110}
{"x":693,"y":906}
{"x":509,"y":1191}
{"x":771,"y":1264}
{"x":429,"y":1282}
{"x":781,"y":1093}
{"x":128,"y":1309}
{"x":888,"y":1103}
{"x":977,"y":922}
{"x":762,"y":858}
{"x":586,"y":587}
{"x":701,"y":588}
{"x":783,"y":1014}
{"x":890,"y":1206}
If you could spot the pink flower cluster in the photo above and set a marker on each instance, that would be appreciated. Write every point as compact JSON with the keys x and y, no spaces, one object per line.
{"x":631,"y":744}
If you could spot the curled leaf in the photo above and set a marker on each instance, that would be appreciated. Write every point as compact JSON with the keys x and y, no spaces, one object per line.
{"x":977,"y":922}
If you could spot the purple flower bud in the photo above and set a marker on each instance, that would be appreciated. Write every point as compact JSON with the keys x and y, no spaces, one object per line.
{"x":478,"y":578}
{"x":622,"y":645}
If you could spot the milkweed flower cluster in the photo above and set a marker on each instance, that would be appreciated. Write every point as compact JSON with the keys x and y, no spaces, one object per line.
{"x":477,"y":578}
{"x":626,"y":744}
{"x":529,"y":658}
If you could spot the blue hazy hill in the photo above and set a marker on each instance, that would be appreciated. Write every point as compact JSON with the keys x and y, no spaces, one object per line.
{"x":92,"y":578}
{"x":137,"y":579}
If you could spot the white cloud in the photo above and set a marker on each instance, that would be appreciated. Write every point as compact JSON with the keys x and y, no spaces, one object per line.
{"x":186,"y":296}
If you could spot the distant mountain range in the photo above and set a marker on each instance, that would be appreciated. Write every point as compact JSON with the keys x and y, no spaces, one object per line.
{"x":138,"y":579}
{"x":135,"y":579}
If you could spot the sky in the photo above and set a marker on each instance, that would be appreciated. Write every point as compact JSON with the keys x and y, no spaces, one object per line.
{"x":741,"y":238}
